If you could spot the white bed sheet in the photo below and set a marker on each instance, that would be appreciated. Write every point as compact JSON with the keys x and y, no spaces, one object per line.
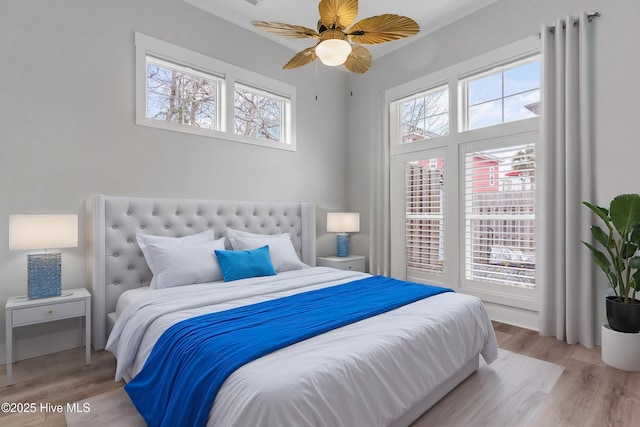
{"x":368,"y":373}
{"x":129,"y":297}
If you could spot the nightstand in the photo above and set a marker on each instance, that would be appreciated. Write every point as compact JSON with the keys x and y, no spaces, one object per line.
{"x":21,"y":311}
{"x":351,"y":262}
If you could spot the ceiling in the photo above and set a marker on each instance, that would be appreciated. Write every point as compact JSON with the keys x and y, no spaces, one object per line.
{"x":429,"y":14}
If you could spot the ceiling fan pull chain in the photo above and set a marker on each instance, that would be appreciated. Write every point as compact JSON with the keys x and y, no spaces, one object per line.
{"x":316,"y":64}
{"x":351,"y":83}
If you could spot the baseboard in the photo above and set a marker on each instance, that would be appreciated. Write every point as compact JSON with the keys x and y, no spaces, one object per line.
{"x":513,"y":316}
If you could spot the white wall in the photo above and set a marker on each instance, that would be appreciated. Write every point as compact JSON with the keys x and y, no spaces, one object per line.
{"x":67,"y":116}
{"x":67,"y":127}
{"x":615,"y":91}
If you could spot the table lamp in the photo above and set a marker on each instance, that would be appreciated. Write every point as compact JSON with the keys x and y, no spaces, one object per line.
{"x":343,"y":223}
{"x":43,"y":232}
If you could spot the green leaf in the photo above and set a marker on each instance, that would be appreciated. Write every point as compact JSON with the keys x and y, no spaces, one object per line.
{"x":635,"y":235}
{"x":625,"y":213}
{"x":634,"y":262}
{"x":601,"y":212}
{"x":599,"y":258}
{"x":628,"y":250}
{"x":635,"y":281}
{"x":601,"y":236}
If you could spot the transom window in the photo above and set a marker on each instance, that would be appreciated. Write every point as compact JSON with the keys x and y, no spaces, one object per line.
{"x":185,"y":91}
{"x":181,"y":95}
{"x":425,"y":115}
{"x":506,"y":94}
{"x":258,"y":114}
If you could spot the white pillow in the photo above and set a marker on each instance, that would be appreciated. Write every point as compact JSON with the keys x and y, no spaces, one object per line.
{"x":233,"y":234}
{"x":283,"y":254}
{"x":185,"y":263}
{"x":145,"y":239}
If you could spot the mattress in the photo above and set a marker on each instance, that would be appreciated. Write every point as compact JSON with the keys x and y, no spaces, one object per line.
{"x":367,"y":373}
{"x":131,"y":296}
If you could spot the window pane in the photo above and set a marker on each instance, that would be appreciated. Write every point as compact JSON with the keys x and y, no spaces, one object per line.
{"x":258,"y":115}
{"x":507,"y":95}
{"x":437,"y":125}
{"x":424,"y":215}
{"x":485,"y":89}
{"x":411,"y":111}
{"x":179,"y":97}
{"x":521,"y":79}
{"x":522,"y":106}
{"x":425,"y":116}
{"x":500,"y":216}
{"x":487,"y":114}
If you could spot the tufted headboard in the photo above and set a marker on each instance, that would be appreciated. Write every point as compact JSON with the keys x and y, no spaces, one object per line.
{"x":116,"y":264}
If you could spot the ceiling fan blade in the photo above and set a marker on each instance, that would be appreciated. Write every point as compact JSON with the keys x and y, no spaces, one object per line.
{"x":382,"y":28}
{"x":340,"y":13}
{"x":286,"y":30}
{"x":359,"y":60}
{"x":301,"y":58}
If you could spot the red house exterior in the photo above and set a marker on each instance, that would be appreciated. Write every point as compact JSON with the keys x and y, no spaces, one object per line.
{"x":486,"y":176}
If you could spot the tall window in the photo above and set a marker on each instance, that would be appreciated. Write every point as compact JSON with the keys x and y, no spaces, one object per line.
{"x":425,"y":215}
{"x":499,"y":216}
{"x":185,"y":91}
{"x":471,"y":225}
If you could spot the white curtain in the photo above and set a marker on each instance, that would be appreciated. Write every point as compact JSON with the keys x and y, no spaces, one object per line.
{"x":379,"y":241}
{"x":564,"y":274}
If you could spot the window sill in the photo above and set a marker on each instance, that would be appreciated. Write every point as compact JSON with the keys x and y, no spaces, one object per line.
{"x":210,"y":133}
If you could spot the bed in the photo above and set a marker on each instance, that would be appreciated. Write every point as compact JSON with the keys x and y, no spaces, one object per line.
{"x":385,"y":370}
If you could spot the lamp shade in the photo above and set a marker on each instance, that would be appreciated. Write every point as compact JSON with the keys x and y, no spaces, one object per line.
{"x":343,"y":222}
{"x":43,"y":231}
{"x":333,"y":52}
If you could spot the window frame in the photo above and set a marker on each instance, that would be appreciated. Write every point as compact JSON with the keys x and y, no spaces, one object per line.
{"x":219,"y":82}
{"x":463,"y":88}
{"x":431,"y":272}
{"x":398,"y":221}
{"x":408,"y":90}
{"x":452,"y":145}
{"x":396,"y":109}
{"x":229,"y":75}
{"x":503,"y":294}
{"x":285,"y":110}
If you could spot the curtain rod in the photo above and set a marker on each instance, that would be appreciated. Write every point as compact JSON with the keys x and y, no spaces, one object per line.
{"x":590,"y":17}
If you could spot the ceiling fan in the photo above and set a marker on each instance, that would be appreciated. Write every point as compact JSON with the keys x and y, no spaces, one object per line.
{"x":338,"y":40}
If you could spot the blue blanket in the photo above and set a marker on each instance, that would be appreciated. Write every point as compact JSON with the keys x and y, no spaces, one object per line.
{"x":179,"y":382}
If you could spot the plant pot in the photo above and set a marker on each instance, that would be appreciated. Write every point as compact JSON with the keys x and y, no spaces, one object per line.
{"x":620,"y":350}
{"x":623,"y":317}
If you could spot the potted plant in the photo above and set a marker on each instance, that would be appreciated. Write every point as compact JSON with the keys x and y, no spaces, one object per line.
{"x":620,"y":240}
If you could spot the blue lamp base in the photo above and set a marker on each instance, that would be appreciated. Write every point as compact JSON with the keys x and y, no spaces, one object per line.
{"x":342,"y":240}
{"x":44,"y":275}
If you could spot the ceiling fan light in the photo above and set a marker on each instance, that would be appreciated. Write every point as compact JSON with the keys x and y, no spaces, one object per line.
{"x":333,"y":52}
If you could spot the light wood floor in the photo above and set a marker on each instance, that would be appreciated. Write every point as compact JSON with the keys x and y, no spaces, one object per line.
{"x":588,"y":393}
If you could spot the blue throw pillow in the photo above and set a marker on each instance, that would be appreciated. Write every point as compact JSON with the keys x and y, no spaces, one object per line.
{"x":237,"y":265}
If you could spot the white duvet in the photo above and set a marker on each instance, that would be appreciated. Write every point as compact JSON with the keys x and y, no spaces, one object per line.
{"x":365,"y":374}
